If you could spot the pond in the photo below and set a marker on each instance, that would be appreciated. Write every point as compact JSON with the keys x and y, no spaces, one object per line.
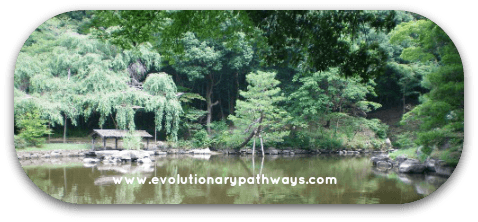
{"x":357,"y":181}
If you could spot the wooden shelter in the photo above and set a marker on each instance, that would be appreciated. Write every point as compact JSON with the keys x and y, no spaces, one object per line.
{"x":116,"y":134}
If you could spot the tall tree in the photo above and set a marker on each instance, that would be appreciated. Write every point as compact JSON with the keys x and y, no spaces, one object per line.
{"x":441,"y":112}
{"x":259,"y":114}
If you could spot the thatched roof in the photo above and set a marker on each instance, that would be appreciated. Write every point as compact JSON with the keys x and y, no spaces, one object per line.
{"x":113,"y":133}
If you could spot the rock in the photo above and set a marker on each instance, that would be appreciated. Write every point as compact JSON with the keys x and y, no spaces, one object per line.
{"x":411,"y":166}
{"x":388,"y":143}
{"x":378,"y":158}
{"x":34,"y":156}
{"x":46,"y":156}
{"x":441,"y":168}
{"x":150,"y":153}
{"x":55,"y":154}
{"x":271,"y":151}
{"x":157,"y":152}
{"x":384,"y":165}
{"x":400,"y":159}
{"x":430,"y":164}
{"x":202,"y":151}
{"x":172,"y":151}
{"x":72,"y":155}
{"x":161,"y":145}
{"x":145,"y":160}
{"x":104,"y":153}
{"x":91,"y":160}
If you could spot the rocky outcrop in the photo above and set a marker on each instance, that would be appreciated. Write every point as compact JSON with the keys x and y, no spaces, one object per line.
{"x":200,"y":151}
{"x":104,"y":153}
{"x":271,"y":151}
{"x":403,"y":164}
{"x":387,"y":143}
{"x":380,"y":158}
{"x":91,"y":160}
{"x":411,"y":166}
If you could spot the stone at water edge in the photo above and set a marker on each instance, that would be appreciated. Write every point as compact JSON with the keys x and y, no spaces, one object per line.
{"x":104,"y":153}
{"x":411,"y":166}
{"x":91,"y":160}
{"x":384,"y":165}
{"x":378,"y":158}
{"x":145,"y":160}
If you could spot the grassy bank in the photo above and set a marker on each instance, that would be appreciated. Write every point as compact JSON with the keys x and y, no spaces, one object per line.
{"x":409,"y":153}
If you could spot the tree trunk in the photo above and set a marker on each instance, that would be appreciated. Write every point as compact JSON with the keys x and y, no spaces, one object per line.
{"x":253,"y":133}
{"x":253,"y":147}
{"x":64,"y":131}
{"x":262,"y":145}
{"x":209,"y":104}
{"x":403,"y":104}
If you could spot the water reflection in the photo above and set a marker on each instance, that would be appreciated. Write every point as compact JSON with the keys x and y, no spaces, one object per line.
{"x":357,"y":181}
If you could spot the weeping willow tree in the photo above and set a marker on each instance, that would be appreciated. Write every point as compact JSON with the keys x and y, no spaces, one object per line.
{"x":164,"y":102}
{"x":67,"y":75}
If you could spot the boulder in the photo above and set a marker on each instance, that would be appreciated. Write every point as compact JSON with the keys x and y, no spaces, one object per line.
{"x":55,"y":154}
{"x":91,"y":160}
{"x":387,"y":143}
{"x":441,"y":168}
{"x":384,"y":165}
{"x":378,"y":158}
{"x":232,"y":152}
{"x":104,"y":153}
{"x":161,"y":145}
{"x":271,"y":151}
{"x":430,"y":164}
{"x":145,"y":160}
{"x":34,"y":156}
{"x":411,"y":166}
{"x":157,"y":152}
{"x":400,"y":159}
{"x":172,"y":151}
{"x":202,"y":151}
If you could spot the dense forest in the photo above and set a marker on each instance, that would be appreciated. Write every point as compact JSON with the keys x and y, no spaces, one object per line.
{"x":230,"y":79}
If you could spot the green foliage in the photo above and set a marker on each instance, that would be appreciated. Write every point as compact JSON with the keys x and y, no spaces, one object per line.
{"x":379,"y":128}
{"x":19,"y":142}
{"x":201,"y":139}
{"x":319,"y":40}
{"x":32,"y":128}
{"x":259,"y":113}
{"x":408,"y":152}
{"x":441,"y":112}
{"x":67,"y":75}
{"x":329,"y":142}
{"x":132,"y":141}
{"x":405,"y":141}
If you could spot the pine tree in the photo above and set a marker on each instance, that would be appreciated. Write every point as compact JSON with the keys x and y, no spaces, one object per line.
{"x":259,"y":114}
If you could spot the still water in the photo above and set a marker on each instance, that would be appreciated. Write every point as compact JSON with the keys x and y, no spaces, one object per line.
{"x":69,"y":180}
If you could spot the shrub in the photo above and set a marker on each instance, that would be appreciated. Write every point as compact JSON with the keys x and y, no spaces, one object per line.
{"x":376,"y":144}
{"x":201,"y":139}
{"x":132,"y":141}
{"x":19,"y":142}
{"x":379,"y":128}
{"x":329,"y":143}
{"x":405,"y":141}
{"x":299,"y":139}
{"x":33,"y":128}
